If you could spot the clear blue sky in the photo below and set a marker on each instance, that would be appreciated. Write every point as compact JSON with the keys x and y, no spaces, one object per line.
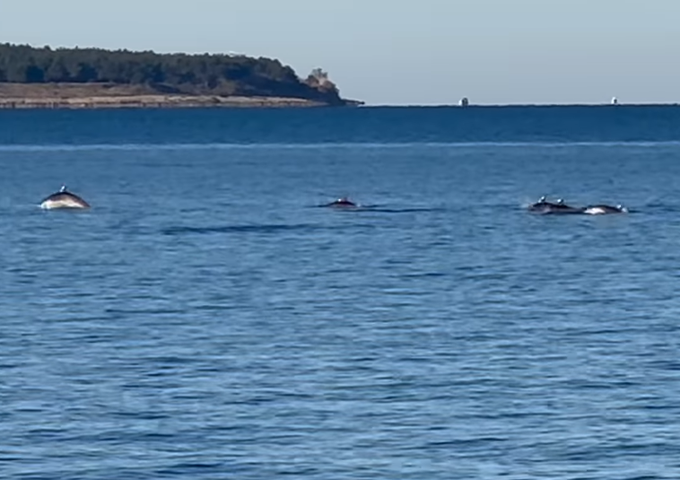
{"x":398,"y":51}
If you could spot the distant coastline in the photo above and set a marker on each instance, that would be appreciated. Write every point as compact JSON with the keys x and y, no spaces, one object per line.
{"x":33,"y":77}
{"x":110,"y":95}
{"x":85,"y":96}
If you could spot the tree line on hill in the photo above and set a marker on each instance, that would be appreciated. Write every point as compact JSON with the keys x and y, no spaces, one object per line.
{"x":202,"y":74}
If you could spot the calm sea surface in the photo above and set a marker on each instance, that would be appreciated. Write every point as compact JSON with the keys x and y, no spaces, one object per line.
{"x":207,"y":320}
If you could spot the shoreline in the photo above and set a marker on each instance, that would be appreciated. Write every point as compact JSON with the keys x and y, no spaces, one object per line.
{"x":206,"y":101}
{"x":92,"y":95}
{"x":152,"y":101}
{"x":210,"y":101}
{"x":18,"y":96}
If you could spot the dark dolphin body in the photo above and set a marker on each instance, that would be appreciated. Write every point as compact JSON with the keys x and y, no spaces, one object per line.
{"x":343,"y":202}
{"x":63,"y":199}
{"x":604,"y":209}
{"x":545,"y":207}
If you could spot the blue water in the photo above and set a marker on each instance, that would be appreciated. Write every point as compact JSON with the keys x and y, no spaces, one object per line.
{"x":206,"y":320}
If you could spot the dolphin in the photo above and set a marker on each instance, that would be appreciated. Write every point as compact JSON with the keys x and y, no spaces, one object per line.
{"x":63,"y":199}
{"x":604,"y":209}
{"x":342,"y":202}
{"x":546,"y":207}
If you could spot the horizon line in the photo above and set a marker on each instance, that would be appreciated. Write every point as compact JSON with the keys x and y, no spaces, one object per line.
{"x":521,"y":104}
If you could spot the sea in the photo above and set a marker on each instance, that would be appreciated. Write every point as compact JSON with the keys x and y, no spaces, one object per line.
{"x":208,"y":318}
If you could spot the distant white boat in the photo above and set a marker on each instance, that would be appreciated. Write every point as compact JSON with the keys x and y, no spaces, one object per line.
{"x":464,"y":102}
{"x":615,"y":101}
